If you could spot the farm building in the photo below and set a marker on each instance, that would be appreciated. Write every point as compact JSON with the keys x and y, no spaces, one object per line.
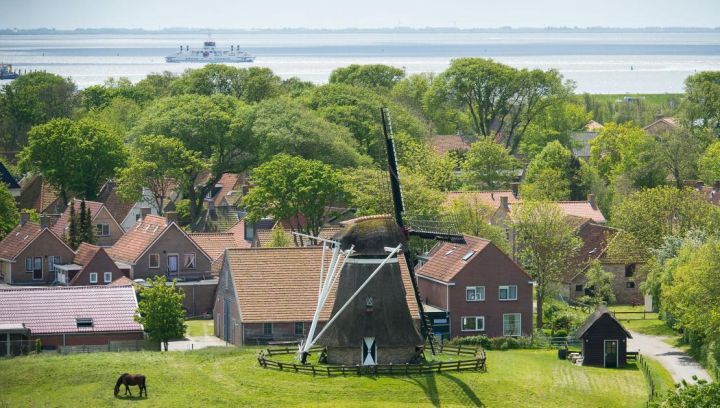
{"x":70,"y":316}
{"x":604,"y":340}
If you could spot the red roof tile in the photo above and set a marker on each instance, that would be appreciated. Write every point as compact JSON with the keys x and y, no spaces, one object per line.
{"x":19,"y":238}
{"x":134,"y":242}
{"x":446,"y":258}
{"x":85,"y":253}
{"x":64,"y":221}
{"x":118,"y":208}
{"x":55,"y":310}
{"x":442,"y":144}
{"x":488,"y":198}
{"x":228,"y":181}
{"x":582,"y":209}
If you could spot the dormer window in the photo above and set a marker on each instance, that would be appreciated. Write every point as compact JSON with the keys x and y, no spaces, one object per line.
{"x":84,"y":322}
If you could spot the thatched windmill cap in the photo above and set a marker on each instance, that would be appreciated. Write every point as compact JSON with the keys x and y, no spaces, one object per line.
{"x":371,"y":235}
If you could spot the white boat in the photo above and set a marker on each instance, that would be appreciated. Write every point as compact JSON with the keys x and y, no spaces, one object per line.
{"x":209,"y":54}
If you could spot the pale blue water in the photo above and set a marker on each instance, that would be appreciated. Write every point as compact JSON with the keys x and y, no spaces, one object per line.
{"x":597,"y":62}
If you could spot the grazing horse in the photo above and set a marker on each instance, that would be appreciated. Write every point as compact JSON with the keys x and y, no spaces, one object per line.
{"x":127,"y":380}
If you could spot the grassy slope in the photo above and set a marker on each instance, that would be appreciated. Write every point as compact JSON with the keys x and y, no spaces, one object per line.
{"x":199,"y":328}
{"x":651,"y":325}
{"x":231,"y":377}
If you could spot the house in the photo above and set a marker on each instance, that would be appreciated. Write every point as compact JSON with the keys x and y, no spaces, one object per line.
{"x":70,"y":316}
{"x":91,"y":266}
{"x":482,"y":290}
{"x":443,"y":144}
{"x":662,"y":124}
{"x":157,"y":246}
{"x":581,"y":143}
{"x":270,"y":294}
{"x":604,"y":340}
{"x":125,"y":213}
{"x":594,"y":126}
{"x":107,"y":229}
{"x":36,"y":194}
{"x":228,"y":191}
{"x":9,"y":181}
{"x":216,"y":219}
{"x":215,"y":244}
{"x":30,"y":253}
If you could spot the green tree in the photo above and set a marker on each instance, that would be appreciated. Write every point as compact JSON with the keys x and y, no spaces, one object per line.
{"x":472,"y":218}
{"x":9,"y":216}
{"x":488,"y":165}
{"x":598,"y":285}
{"x":279,"y":238}
{"x":214,"y":128}
{"x":703,"y":394}
{"x":30,"y":100}
{"x":554,"y":174}
{"x":652,"y":214}
{"x":161,"y":311}
{"x":282,"y":125}
{"x":499,"y":98}
{"x":548,"y":184}
{"x":547,"y":246}
{"x":73,"y":238}
{"x":418,"y":158}
{"x":709,"y":163}
{"x":702,"y":100}
{"x":158,"y":164}
{"x":556,"y":123}
{"x":369,"y":76}
{"x":87,"y":229}
{"x":120,"y":114}
{"x":290,"y":188}
{"x":73,"y":156}
{"x":248,"y":84}
{"x":410,"y":91}
{"x":678,"y":153}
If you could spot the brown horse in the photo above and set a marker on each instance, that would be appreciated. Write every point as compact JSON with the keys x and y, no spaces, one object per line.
{"x":127,"y":380}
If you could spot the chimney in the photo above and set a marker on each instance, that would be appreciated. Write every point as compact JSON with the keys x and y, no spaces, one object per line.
{"x":24,"y":217}
{"x":515,"y":187}
{"x":144,"y":211}
{"x":44,"y":221}
{"x":504,"y":202}
{"x":172,"y":216}
{"x":591,"y":200}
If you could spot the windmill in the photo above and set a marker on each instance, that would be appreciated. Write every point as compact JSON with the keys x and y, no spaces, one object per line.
{"x":371,"y":321}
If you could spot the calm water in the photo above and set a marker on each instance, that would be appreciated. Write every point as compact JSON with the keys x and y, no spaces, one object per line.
{"x":597,"y":62}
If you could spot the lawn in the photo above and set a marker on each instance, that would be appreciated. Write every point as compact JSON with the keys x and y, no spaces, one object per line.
{"x":650,"y":325}
{"x":197,"y":328}
{"x":231,"y":377}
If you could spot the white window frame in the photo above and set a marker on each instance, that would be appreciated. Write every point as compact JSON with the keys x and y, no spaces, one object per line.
{"x":100,"y":229}
{"x":150,"y":262}
{"x":107,"y":277}
{"x":475,"y":290}
{"x":507,"y":288}
{"x":302,"y":332}
{"x":519,"y":320}
{"x":167,"y":263}
{"x":53,"y":261}
{"x":194,"y":260}
{"x":477,"y":319}
{"x":93,"y":277}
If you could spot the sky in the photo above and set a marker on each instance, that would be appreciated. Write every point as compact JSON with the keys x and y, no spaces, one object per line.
{"x":244,"y":14}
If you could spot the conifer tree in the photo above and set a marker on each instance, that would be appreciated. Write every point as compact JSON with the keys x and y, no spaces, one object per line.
{"x":72,"y":238}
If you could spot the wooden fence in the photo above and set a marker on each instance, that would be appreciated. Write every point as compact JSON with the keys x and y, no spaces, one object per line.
{"x":652,"y":391}
{"x":629,"y":315}
{"x":477,"y":362}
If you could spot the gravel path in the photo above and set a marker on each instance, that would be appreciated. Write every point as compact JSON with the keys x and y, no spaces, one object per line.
{"x":680,"y":365}
{"x":195,"y":343}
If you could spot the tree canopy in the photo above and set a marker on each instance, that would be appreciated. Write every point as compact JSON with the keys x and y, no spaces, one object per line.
{"x":371,"y":75}
{"x":488,"y":165}
{"x":248,"y":84}
{"x":161,"y":310}
{"x":9,"y":216}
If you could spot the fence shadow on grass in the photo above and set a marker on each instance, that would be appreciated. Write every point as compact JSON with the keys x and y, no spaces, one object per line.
{"x":428,"y":384}
{"x":465,"y":392}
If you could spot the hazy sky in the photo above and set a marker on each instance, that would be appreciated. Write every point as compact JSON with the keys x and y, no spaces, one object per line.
{"x":356,"y":13}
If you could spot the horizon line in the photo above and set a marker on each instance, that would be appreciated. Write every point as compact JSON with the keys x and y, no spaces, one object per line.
{"x":387,"y":28}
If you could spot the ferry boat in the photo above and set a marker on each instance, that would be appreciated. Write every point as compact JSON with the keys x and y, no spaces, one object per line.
{"x":209,"y":53}
{"x":6,"y":72}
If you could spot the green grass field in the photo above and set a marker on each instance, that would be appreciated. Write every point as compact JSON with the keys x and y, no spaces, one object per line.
{"x":199,"y":328}
{"x":651,"y":325}
{"x":231,"y":377}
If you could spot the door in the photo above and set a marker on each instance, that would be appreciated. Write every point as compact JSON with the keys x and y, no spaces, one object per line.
{"x":611,"y":353}
{"x":38,"y":268}
{"x":172,"y":263}
{"x":369,"y":351}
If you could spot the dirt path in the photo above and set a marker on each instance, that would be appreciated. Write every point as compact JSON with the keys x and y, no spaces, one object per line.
{"x":678,"y":363}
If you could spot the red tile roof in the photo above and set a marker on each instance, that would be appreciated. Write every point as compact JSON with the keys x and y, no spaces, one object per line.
{"x":85,"y":253}
{"x":446,"y":258}
{"x":18,"y":239}
{"x":122,"y":281}
{"x":488,"y":198}
{"x":54,"y":310}
{"x":215,"y":244}
{"x":595,"y":240}
{"x":36,"y":194}
{"x":118,"y":208}
{"x":134,"y":242}
{"x":582,"y":209}
{"x":281,"y":284}
{"x":228,"y":181}
{"x":64,"y":221}
{"x":442,"y":144}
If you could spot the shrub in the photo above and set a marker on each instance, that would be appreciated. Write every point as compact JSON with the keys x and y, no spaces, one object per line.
{"x":38,"y":346}
{"x":481,"y":340}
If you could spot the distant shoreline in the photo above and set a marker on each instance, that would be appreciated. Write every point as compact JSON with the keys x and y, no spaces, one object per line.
{"x":299,"y":30}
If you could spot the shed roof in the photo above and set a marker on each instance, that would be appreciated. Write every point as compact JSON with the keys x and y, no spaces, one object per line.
{"x":593,"y":318}
{"x":52,"y":310}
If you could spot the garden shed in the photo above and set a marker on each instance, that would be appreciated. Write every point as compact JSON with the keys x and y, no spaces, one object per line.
{"x":604,"y":340}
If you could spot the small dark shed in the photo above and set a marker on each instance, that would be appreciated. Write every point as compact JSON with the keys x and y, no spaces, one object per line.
{"x":604,"y":340}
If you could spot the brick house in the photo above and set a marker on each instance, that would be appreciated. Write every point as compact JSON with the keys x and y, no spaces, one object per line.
{"x":267,"y":294}
{"x":91,"y":266}
{"x":107,"y":229}
{"x":71,"y":316}
{"x":30,"y":252}
{"x":482,"y":290}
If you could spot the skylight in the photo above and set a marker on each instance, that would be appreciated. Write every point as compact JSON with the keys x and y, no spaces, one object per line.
{"x":468,"y":255}
{"x":84,"y":322}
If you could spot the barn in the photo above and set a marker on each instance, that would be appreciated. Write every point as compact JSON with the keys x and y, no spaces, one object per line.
{"x":604,"y":340}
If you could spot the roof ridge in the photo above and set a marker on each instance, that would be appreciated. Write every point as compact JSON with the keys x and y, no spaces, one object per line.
{"x":40,"y":288}
{"x":313,"y":247}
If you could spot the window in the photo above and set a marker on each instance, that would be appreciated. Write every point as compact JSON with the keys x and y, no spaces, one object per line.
{"x":102,"y":230}
{"x":154,"y":261}
{"x":52,"y":261}
{"x":93,"y":277}
{"x":468,"y":255}
{"x":189,"y":261}
{"x":84,"y":322}
{"x":475,"y":293}
{"x":578,"y":288}
{"x":630,"y":285}
{"x":172,"y":263}
{"x":508,"y":292}
{"x":267,"y":329}
{"x":37,"y":268}
{"x":629,"y":270}
{"x":107,"y":277}
{"x":299,"y":328}
{"x":472,"y":323}
{"x":512,"y":324}
{"x":28,"y":264}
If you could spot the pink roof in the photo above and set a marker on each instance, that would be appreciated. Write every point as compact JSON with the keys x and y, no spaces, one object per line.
{"x":488,"y":198}
{"x":131,"y":245}
{"x":582,"y":209}
{"x":446,"y":258}
{"x":63,"y":222}
{"x":52,"y":310}
{"x":18,"y":239}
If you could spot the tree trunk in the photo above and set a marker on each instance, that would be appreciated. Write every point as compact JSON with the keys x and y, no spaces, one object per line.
{"x":539,"y":316}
